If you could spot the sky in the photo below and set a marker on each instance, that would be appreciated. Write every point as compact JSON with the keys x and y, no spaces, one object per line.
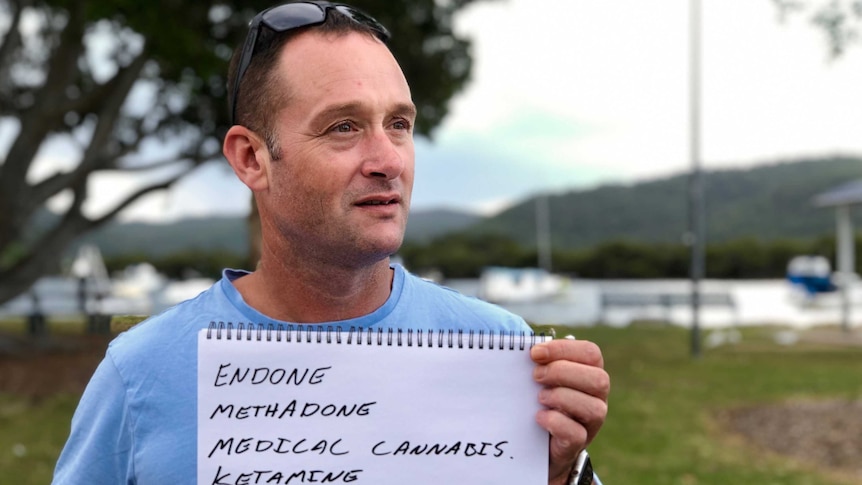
{"x":571,"y":94}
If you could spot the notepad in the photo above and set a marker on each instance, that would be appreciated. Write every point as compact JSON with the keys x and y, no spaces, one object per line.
{"x":291,"y":405}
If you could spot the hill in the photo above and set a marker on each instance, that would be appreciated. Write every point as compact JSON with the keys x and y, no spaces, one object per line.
{"x":424,"y":225}
{"x":230,"y":234}
{"x":767,"y":202}
{"x":202,"y":234}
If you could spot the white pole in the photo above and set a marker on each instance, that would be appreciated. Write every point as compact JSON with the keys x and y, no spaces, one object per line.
{"x":846,"y":264}
{"x":696,"y":196}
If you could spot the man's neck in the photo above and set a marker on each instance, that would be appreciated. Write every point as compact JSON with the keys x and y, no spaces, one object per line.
{"x":304,"y":293}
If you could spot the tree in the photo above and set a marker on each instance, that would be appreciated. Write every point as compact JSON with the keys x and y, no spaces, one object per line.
{"x":113,"y":78}
{"x":840,"y":20}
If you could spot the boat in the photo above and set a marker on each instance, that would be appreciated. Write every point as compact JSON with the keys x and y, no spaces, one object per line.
{"x":499,"y":284}
{"x":812,"y":274}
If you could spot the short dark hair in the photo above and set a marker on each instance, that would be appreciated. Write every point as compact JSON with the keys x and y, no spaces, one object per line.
{"x":260,"y":95}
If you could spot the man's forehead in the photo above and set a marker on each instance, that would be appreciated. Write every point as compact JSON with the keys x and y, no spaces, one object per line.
{"x":316,"y":44}
{"x":338,"y":65}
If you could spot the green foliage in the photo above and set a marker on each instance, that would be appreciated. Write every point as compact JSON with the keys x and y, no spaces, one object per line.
{"x":209,"y":264}
{"x":840,"y":21}
{"x":12,"y":253}
{"x":192,"y":54}
{"x":751,"y":258}
{"x":628,"y":259}
{"x":464,"y":255}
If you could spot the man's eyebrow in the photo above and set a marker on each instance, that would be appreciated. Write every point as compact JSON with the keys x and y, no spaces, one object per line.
{"x":341,"y":110}
{"x":406,"y":109}
{"x":336,"y":111}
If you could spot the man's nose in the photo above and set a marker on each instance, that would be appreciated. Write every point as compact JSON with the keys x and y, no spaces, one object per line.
{"x":382,"y":157}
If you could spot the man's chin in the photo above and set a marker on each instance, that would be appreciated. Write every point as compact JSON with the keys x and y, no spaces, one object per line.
{"x":389,"y":246}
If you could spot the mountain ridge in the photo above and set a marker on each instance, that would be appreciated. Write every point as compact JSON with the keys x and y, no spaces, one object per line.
{"x":767,"y":201}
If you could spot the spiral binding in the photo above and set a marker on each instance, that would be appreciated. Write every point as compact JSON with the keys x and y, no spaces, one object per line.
{"x":272,"y":332}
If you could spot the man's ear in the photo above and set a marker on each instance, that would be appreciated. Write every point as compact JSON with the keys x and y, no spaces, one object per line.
{"x":248,"y":156}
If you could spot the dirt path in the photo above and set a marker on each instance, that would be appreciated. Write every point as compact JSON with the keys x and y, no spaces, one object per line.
{"x":827,"y":434}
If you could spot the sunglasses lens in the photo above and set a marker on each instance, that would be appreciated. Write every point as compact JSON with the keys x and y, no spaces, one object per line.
{"x":292,"y":16}
{"x":361,"y":17}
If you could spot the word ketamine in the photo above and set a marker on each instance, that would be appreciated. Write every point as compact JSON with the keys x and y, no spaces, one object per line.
{"x":283,"y":477}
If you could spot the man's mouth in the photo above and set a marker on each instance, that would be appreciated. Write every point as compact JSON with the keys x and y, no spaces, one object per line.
{"x":379,"y":201}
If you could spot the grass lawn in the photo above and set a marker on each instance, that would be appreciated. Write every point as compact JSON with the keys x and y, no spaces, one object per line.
{"x":662,"y":426}
{"x":31,"y":437}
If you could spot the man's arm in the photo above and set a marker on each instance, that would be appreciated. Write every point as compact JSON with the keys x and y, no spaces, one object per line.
{"x":99,"y":447}
{"x":575,"y":394}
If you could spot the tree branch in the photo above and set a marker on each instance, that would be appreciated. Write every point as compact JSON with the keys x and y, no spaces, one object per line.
{"x":121,"y":85}
{"x":36,"y":124}
{"x":45,"y":254}
{"x":135,"y":196}
{"x":58,"y":182}
{"x":12,"y":40}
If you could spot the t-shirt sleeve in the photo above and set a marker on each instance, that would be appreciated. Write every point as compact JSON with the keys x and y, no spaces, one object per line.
{"x":99,"y":448}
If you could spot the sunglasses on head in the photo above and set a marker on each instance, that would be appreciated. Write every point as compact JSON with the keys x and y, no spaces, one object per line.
{"x":290,"y":16}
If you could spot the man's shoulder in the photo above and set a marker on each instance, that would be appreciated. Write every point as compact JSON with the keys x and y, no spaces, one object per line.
{"x":168,"y":328}
{"x":445,"y":302}
{"x":432,"y":289}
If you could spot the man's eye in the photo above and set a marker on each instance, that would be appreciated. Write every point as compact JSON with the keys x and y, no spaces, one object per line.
{"x":401,"y":125}
{"x":343,"y":127}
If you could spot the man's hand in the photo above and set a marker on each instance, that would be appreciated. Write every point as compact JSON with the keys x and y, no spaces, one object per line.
{"x":576,"y":396}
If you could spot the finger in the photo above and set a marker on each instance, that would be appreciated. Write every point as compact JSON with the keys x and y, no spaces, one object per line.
{"x":582,"y":351}
{"x":588,"y":411}
{"x":568,"y":438}
{"x":594,"y":381}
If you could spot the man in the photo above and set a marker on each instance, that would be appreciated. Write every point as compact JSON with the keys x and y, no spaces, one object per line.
{"x":322,"y":135}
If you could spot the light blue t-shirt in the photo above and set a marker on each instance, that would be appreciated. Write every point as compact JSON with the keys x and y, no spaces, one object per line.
{"x":137,"y":420}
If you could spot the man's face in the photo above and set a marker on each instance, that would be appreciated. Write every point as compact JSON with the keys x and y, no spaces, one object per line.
{"x":341,"y":188}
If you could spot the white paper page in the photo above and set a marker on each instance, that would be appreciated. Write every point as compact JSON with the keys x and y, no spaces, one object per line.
{"x":372,"y":414}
